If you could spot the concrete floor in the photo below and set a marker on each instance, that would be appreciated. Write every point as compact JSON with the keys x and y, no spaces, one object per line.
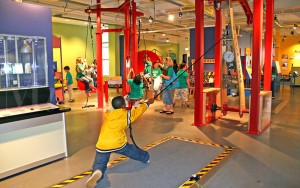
{"x":269,"y":160}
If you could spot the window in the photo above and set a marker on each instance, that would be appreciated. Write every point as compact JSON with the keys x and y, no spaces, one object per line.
{"x":105,"y":52}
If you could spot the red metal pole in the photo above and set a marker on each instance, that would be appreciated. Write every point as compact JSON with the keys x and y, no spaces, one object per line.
{"x":199,"y":67}
{"x":106,"y":90}
{"x":218,"y":48}
{"x":257,"y":53}
{"x":268,"y":45}
{"x":126,"y":50}
{"x":134,"y":39}
{"x":99,"y":56}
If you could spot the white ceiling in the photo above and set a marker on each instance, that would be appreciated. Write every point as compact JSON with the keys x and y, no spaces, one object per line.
{"x":72,"y":12}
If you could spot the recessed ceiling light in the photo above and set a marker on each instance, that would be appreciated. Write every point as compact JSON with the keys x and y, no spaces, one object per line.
{"x":163,"y":34}
{"x":295,"y":26}
{"x":171,"y":17}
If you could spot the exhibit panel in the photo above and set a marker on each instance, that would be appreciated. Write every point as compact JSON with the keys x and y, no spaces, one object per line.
{"x":28,"y":143}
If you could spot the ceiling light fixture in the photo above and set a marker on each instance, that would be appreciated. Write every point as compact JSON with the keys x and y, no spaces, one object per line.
{"x":180,"y":15}
{"x":150,"y":19}
{"x":295,"y":26}
{"x":167,"y":40}
{"x":292,"y":33}
{"x":171,"y":17}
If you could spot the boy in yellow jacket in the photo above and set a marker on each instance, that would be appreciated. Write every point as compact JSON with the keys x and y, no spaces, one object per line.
{"x":112,"y":138}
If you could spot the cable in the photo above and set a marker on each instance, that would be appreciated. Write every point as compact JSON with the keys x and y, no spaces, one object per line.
{"x":226,"y":35}
{"x":130,"y":128}
{"x":139,"y":33}
{"x":92,"y":40}
{"x":87,"y":32}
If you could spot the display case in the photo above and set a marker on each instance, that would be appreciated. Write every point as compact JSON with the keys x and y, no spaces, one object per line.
{"x":23,"y":62}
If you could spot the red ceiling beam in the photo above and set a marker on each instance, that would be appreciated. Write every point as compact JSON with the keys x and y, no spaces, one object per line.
{"x":120,"y":8}
{"x":245,"y":6}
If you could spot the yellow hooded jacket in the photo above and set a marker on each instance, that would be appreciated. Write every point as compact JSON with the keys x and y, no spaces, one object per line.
{"x":112,"y":135}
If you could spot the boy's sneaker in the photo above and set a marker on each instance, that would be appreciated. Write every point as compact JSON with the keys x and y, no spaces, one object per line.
{"x":92,"y":181}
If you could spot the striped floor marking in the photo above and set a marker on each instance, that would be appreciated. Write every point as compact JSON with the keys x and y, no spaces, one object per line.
{"x":207,"y":168}
{"x":188,"y":183}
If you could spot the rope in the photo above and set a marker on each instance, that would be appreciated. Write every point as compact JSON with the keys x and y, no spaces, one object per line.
{"x":130,"y":128}
{"x":86,"y":36}
{"x":191,"y":65}
{"x":91,"y":27}
{"x":139,"y":34}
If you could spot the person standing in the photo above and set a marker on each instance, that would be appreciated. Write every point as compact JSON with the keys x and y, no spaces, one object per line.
{"x":167,"y":95}
{"x":69,"y":81}
{"x":113,"y":139}
{"x":175,"y":66}
{"x":182,"y":92}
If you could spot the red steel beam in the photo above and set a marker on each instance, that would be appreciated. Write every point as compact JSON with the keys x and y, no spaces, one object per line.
{"x":121,"y":8}
{"x":199,"y":116}
{"x":134,"y":41}
{"x":127,"y":57}
{"x":256,"y":60}
{"x":268,"y":44}
{"x":245,"y":6}
{"x":113,"y":30}
{"x":247,"y":10}
{"x":218,"y":48}
{"x":99,"y":56}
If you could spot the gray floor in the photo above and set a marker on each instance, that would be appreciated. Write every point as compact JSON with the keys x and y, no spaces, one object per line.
{"x":269,"y":160}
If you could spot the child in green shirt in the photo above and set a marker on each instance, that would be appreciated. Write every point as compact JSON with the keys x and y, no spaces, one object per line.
{"x":69,"y":82}
{"x":136,"y":89}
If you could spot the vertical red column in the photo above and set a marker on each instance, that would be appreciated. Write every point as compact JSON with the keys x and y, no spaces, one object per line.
{"x":99,"y":56}
{"x":134,"y":39}
{"x":127,"y":58}
{"x":218,"y":48}
{"x":199,"y":66}
{"x":106,"y":90}
{"x":268,"y":44}
{"x":257,"y":53}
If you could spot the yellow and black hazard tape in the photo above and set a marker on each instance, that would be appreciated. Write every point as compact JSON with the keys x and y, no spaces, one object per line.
{"x":71,"y":180}
{"x":188,"y":183}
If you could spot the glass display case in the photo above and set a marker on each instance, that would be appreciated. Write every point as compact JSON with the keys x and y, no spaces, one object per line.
{"x":23,"y":62}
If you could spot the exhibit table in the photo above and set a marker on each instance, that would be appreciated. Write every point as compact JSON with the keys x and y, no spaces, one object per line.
{"x":31,"y":136}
